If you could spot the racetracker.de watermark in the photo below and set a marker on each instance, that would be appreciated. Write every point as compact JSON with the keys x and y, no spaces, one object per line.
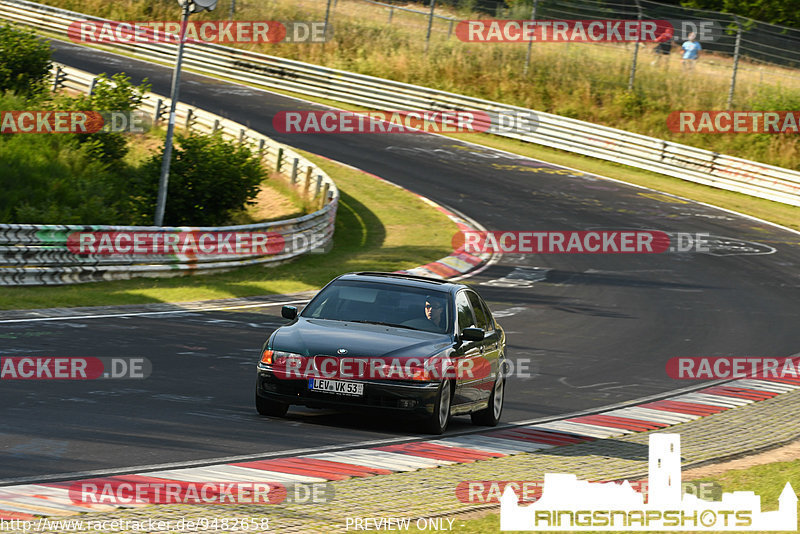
{"x":579,"y":242}
{"x":116,"y":492}
{"x":205,"y":31}
{"x":722,"y":122}
{"x":726,"y":367}
{"x":404,"y":121}
{"x":74,"y":122}
{"x":290,"y":366}
{"x":561,"y":31}
{"x":527,"y":491}
{"x":73,"y":368}
{"x":194,"y":243}
{"x":139,"y":524}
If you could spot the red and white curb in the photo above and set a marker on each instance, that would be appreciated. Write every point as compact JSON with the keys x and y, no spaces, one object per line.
{"x":53,"y":499}
{"x":457,"y":263}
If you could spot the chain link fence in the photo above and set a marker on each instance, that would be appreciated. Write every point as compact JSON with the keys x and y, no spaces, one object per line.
{"x":729,"y":37}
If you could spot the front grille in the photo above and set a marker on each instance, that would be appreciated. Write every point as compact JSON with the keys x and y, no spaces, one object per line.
{"x":374,"y":396}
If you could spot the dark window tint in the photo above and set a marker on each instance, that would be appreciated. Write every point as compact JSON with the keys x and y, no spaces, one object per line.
{"x":372,"y":302}
{"x":465,"y":319}
{"x":488,"y":313}
{"x":480,"y":315}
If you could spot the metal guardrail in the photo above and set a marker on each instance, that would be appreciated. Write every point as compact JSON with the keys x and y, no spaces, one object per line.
{"x":39,"y":255}
{"x":649,"y":153}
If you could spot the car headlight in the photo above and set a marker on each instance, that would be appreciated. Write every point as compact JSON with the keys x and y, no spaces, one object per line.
{"x":278,"y":357}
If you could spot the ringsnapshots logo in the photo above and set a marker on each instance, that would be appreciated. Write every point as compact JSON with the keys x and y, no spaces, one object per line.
{"x":73,"y":368}
{"x":567,"y":503}
{"x":734,"y":122}
{"x":404,"y":122}
{"x":206,"y":31}
{"x":74,"y":122}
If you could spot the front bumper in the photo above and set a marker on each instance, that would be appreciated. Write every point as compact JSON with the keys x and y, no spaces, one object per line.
{"x":411,"y":398}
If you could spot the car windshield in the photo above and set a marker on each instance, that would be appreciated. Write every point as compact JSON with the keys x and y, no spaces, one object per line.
{"x":387,"y":304}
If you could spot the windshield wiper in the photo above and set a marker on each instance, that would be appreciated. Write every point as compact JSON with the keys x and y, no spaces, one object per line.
{"x":386,"y":324}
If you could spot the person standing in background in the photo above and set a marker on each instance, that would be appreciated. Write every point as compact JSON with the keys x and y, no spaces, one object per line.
{"x":663,"y":46}
{"x":691,"y":51}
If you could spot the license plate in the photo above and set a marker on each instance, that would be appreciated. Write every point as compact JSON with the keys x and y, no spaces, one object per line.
{"x":340,"y":387}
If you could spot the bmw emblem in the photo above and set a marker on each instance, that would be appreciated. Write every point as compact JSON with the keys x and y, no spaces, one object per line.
{"x":341,"y":351}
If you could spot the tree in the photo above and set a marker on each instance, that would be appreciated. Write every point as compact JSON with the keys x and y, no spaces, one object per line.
{"x":784,"y":12}
{"x":110,"y":94}
{"x":209,"y":178}
{"x":24,"y":61}
{"x":118,"y":93}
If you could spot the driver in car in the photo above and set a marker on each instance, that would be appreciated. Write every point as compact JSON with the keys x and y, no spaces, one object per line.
{"x":434,"y":312}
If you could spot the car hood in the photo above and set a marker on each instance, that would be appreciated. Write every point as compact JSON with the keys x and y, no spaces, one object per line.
{"x":313,"y":337}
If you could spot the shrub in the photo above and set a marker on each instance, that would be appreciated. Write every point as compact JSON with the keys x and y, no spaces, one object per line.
{"x":24,"y":61}
{"x":110,"y":94}
{"x":47,"y":179}
{"x":209,"y":178}
{"x":54,"y":179}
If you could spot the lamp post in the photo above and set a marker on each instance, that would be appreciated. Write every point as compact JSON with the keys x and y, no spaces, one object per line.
{"x":187,"y":6}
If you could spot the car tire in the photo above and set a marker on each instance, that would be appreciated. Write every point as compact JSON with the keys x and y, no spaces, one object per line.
{"x":491,"y":415}
{"x":436,"y":423}
{"x":269,"y":407}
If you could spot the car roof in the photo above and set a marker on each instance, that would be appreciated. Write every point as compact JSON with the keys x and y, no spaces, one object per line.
{"x":403,"y":279}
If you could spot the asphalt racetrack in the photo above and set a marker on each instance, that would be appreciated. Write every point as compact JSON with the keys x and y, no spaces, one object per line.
{"x":585,"y":330}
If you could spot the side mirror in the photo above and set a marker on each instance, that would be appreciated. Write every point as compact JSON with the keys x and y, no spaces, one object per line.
{"x":473,"y":334}
{"x":289,"y":312}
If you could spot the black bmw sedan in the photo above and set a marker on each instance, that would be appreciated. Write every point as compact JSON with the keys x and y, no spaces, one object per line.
{"x":404,"y":344}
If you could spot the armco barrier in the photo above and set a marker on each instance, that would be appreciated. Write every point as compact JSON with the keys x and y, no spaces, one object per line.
{"x":664,"y":157}
{"x":38,"y":254}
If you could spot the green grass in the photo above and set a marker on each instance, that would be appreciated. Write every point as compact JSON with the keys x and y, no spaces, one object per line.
{"x":378,"y":227}
{"x":765,"y":480}
{"x":53,"y":179}
{"x":280,"y":184}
